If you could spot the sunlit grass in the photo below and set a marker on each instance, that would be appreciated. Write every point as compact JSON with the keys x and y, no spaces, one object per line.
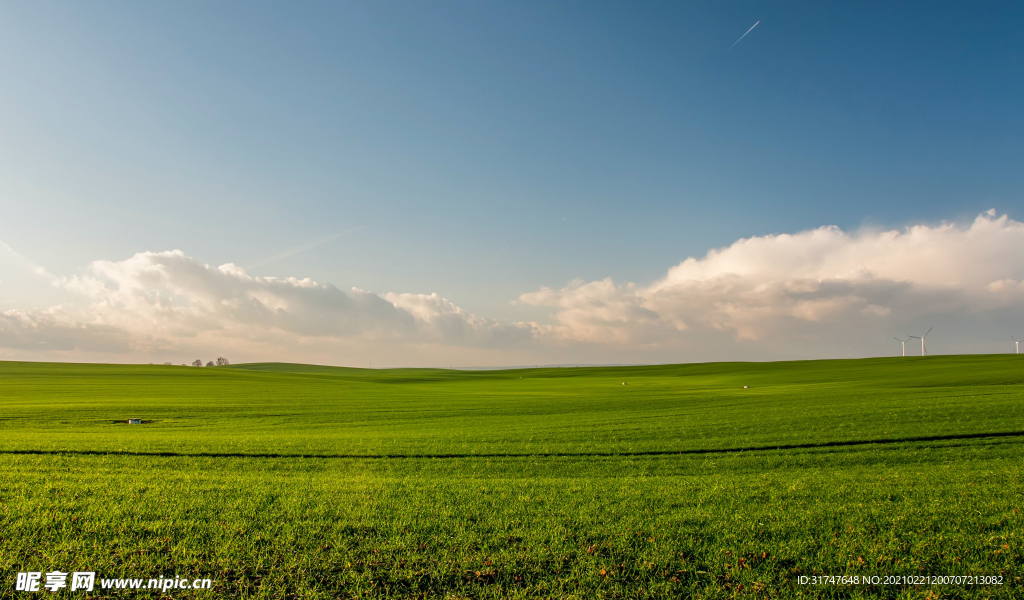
{"x":288,"y":481}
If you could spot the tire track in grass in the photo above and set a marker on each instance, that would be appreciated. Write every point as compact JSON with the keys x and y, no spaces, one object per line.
{"x":768,"y":448}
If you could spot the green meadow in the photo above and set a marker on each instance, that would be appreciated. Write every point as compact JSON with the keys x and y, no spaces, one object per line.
{"x":296,"y":481}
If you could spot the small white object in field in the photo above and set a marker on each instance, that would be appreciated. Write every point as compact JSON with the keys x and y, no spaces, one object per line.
{"x":623,"y":383}
{"x":746,"y":387}
{"x":135,"y":421}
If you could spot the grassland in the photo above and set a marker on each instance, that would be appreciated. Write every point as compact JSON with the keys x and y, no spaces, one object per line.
{"x":292,"y":481}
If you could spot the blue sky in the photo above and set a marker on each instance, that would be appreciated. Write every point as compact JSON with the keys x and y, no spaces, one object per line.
{"x":483,"y":150}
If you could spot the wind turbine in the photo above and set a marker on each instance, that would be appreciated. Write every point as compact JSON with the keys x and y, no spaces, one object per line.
{"x":923,"y":351}
{"x":903,"y":343}
{"x":1016,"y":342}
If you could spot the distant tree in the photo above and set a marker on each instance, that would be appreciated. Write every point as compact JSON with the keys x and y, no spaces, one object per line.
{"x":197,"y":363}
{"x":221,"y":361}
{"x":209,"y":364}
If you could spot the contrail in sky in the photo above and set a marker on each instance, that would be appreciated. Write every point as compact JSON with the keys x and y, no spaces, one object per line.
{"x":302,"y":248}
{"x":744,"y":35}
{"x":24,"y":262}
{"x":499,"y":254}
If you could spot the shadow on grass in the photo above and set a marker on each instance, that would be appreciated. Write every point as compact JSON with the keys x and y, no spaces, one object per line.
{"x":930,"y":438}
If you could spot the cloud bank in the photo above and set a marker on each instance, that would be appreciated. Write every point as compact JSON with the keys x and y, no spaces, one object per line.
{"x":775,"y":293}
{"x":157,"y":302}
{"x":820,"y":280}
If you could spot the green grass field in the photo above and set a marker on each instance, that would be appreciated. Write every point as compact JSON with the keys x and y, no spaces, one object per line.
{"x":293,"y":481}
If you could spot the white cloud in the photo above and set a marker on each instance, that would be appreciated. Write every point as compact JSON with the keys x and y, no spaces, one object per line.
{"x":763,"y":297}
{"x":782,"y":283}
{"x":157,"y":301}
{"x":54,"y":330}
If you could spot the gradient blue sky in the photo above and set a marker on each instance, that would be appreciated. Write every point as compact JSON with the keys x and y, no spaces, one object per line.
{"x":483,"y":150}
